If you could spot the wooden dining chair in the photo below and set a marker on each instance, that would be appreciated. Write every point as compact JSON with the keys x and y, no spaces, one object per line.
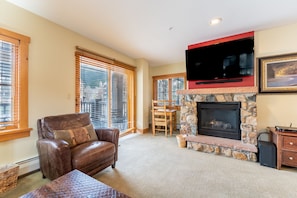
{"x":171,"y":105}
{"x":160,"y":120}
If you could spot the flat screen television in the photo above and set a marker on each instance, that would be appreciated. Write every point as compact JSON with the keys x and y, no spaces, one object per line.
{"x":227,"y":60}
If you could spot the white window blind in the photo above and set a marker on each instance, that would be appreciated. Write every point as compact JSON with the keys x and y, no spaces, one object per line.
{"x":9,"y":107}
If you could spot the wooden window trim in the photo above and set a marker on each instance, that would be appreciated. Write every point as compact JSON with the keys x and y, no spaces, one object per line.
{"x":22,"y":129}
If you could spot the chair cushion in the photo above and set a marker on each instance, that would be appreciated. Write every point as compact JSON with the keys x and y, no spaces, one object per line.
{"x":91,"y":154}
{"x":77,"y":135}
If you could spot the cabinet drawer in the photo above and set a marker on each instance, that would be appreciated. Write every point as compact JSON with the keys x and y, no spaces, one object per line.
{"x":290,"y":143}
{"x":289,"y":158}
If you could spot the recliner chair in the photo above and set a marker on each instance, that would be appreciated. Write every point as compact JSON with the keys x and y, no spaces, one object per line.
{"x":67,"y":142}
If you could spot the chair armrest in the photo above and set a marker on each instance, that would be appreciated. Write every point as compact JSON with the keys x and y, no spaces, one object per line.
{"x":54,"y":157}
{"x":109,"y":135}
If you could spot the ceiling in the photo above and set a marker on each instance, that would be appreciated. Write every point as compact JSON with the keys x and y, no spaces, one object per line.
{"x":160,"y":30}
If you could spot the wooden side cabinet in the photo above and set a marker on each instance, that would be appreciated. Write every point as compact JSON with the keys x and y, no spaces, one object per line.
{"x":286,"y":144}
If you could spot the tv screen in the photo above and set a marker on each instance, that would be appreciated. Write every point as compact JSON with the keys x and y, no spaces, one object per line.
{"x":220,"y":61}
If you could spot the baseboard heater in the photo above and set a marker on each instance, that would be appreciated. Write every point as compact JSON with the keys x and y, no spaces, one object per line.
{"x":28,"y":165}
{"x":219,"y":81}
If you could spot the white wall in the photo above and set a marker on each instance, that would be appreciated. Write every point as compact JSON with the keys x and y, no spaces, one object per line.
{"x":51,"y":72}
{"x":168,"y":69}
{"x":142,"y":95}
{"x":276,"y":109}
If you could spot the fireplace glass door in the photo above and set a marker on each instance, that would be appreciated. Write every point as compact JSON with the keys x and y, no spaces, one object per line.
{"x":220,"y":119}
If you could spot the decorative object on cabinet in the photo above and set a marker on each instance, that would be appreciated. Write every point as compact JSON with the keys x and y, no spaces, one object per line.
{"x":278,"y":74}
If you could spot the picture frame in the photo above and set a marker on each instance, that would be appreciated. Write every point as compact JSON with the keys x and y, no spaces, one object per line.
{"x":278,"y":74}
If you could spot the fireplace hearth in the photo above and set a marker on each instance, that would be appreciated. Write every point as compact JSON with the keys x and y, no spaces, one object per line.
{"x":219,"y":119}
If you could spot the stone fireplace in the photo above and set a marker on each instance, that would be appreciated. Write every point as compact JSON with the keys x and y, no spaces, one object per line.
{"x":243,"y":147}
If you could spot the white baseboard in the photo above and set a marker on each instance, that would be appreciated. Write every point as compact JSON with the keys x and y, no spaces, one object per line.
{"x":28,"y":165}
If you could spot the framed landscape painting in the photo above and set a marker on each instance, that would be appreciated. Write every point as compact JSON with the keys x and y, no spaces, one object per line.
{"x":278,"y":74}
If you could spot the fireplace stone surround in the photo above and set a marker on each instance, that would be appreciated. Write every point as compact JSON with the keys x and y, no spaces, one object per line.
{"x":244,"y":149}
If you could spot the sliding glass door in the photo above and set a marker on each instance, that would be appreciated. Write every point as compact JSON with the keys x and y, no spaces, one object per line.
{"x":106,"y":92}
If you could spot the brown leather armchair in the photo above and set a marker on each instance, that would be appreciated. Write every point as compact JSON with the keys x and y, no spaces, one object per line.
{"x":68,"y":142}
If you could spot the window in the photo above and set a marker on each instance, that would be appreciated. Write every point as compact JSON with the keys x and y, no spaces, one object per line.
{"x":105,"y":89}
{"x":13,"y":85}
{"x":165,"y":87}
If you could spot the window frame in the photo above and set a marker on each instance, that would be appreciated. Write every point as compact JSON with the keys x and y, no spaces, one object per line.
{"x":169,"y":78}
{"x":20,"y":129}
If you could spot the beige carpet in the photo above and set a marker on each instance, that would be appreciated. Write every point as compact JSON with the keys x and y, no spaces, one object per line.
{"x":154,"y":166}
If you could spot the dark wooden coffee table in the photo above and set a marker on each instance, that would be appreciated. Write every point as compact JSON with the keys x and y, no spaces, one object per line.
{"x":75,"y":184}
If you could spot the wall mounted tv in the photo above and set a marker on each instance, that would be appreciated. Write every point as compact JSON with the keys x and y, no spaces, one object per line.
{"x":227,"y":61}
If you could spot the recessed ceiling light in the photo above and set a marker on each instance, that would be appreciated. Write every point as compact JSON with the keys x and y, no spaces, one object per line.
{"x":215,"y":21}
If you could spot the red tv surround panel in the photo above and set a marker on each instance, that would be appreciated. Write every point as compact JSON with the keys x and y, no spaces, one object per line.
{"x":247,"y":81}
